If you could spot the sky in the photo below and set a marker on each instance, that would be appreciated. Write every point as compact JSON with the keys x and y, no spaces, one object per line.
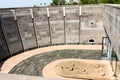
{"x":23,"y":3}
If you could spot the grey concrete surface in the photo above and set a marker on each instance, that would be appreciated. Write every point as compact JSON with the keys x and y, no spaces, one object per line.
{"x":34,"y":65}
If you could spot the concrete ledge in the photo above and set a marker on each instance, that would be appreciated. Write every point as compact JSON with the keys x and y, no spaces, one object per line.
{"x":4,"y":76}
{"x":113,"y":5}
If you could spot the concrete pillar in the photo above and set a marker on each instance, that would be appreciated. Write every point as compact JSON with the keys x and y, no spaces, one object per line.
{"x":35,"y":31}
{"x":80,"y":15}
{"x":64,"y":25}
{"x":48,"y":15}
{"x":15,"y":18}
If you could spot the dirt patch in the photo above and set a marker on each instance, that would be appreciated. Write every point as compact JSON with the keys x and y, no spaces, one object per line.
{"x":82,"y":69}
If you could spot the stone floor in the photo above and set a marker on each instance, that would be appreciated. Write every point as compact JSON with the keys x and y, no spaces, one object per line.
{"x":34,"y":65}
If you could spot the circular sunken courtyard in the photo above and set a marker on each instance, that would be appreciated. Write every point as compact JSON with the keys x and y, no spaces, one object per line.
{"x":49,"y":62}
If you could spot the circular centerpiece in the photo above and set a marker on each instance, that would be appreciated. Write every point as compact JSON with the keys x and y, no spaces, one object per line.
{"x":78,"y":69}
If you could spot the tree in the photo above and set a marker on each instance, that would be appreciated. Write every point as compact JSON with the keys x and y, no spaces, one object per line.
{"x":75,"y":3}
{"x":62,"y":2}
{"x":84,"y":1}
{"x":111,"y":1}
{"x":118,"y":1}
{"x":44,"y":3}
{"x":58,"y":2}
{"x":91,"y":1}
{"x":107,"y":1}
{"x":40,"y":3}
{"x":88,"y":1}
{"x":96,"y":1}
{"x":34,"y":5}
{"x":71,"y":1}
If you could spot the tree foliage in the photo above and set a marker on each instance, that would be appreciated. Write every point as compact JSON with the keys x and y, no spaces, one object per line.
{"x":88,"y":1}
{"x":99,"y":1}
{"x":58,"y":2}
{"x":118,"y":1}
{"x":72,"y":2}
{"x":110,"y":1}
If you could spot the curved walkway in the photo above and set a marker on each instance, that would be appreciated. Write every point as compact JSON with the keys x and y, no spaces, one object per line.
{"x":13,"y":61}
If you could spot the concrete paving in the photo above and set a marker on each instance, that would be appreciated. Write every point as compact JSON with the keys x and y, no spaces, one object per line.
{"x":13,"y":61}
{"x":32,"y":62}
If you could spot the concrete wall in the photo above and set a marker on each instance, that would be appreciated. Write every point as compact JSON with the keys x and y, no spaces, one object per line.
{"x":112,"y":26}
{"x":49,"y":26}
{"x":10,"y":32}
{"x":72,"y":24}
{"x":57,"y":25}
{"x":91,"y":24}
{"x":41,"y":25}
{"x":3,"y":47}
{"x":26,"y":28}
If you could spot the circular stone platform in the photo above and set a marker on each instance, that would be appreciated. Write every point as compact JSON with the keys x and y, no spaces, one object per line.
{"x":79,"y":69}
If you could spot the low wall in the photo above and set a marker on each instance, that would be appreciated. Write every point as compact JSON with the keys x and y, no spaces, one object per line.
{"x":4,"y":76}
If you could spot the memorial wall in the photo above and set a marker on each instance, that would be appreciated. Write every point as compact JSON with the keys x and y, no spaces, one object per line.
{"x":32,"y":27}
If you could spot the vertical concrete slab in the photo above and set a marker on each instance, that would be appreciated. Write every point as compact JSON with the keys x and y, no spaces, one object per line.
{"x":92,"y":24}
{"x":26,"y":28}
{"x":10,"y":31}
{"x":57,"y":25}
{"x":72,"y":24}
{"x":3,"y":47}
{"x":42,"y":28}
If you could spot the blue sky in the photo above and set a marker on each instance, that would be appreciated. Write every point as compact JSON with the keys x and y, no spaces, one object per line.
{"x":22,"y":3}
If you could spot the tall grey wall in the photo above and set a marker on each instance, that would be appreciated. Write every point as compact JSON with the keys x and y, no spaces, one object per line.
{"x":4,"y":52}
{"x":26,"y":28}
{"x":72,"y":24}
{"x":50,"y":26}
{"x":42,"y":26}
{"x":112,"y":26}
{"x":57,"y":25}
{"x":10,"y":32}
{"x":92,"y":24}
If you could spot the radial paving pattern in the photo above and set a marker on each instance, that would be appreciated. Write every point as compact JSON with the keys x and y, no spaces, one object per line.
{"x":34,"y":65}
